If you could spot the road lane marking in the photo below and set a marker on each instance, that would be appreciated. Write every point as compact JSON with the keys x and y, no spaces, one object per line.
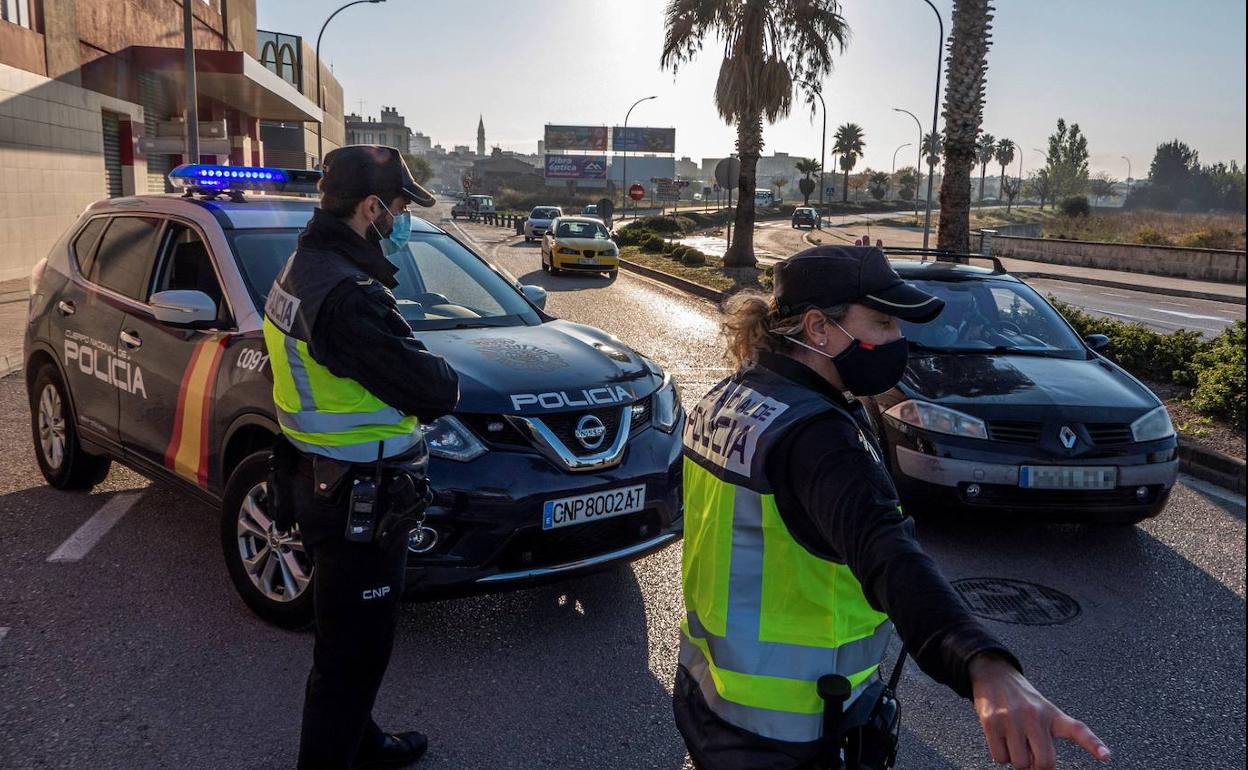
{"x":93,"y":529}
{"x":1213,"y":490}
{"x":1193,"y":316}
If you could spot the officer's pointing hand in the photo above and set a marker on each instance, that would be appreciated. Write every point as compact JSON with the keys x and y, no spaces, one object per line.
{"x":1019,"y":723}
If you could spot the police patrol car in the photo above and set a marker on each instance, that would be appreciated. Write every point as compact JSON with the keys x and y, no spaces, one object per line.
{"x":144,"y":346}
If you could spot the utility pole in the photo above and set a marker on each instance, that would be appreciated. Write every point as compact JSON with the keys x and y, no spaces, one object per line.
{"x":320,"y":97}
{"x":894,"y":171}
{"x":192,"y":88}
{"x":931,"y":165}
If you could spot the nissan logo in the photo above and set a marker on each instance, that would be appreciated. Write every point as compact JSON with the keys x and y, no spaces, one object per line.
{"x":590,"y":431}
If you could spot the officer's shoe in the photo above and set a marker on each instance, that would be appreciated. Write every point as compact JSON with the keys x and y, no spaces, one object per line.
{"x":399,"y":750}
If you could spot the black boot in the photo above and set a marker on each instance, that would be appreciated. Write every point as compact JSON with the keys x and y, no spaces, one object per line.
{"x":399,"y":750}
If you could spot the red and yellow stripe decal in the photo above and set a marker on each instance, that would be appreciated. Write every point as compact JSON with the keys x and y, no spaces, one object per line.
{"x":187,"y":454}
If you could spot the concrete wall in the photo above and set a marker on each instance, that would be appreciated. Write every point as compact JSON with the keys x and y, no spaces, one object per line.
{"x":52,"y":162}
{"x":1196,"y":264}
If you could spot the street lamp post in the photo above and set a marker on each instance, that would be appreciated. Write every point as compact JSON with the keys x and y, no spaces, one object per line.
{"x":823,"y":137}
{"x":320,"y":98}
{"x":624,"y":169}
{"x":894,"y":171}
{"x":192,"y":89}
{"x":918,"y":168}
{"x":1128,"y":160}
{"x":931,"y":166}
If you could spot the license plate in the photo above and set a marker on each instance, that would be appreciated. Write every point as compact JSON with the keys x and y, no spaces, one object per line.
{"x":592,"y":507}
{"x":588,"y":261}
{"x":1063,"y":477}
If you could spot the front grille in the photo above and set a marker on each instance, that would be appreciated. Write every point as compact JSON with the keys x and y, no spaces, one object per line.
{"x":544,"y":548}
{"x":1109,"y":433}
{"x":1014,"y":431}
{"x":563,"y":425}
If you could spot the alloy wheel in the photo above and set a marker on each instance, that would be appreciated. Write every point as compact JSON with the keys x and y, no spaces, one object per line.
{"x":52,"y":427}
{"x":276,"y":562}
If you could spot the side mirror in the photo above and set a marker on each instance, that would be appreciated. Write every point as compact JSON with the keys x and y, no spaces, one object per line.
{"x":183,"y":307}
{"x":1097,"y":341}
{"x":535,"y":294}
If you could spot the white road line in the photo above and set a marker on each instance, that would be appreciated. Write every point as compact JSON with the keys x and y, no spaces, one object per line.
{"x":1192,"y":315}
{"x":462,"y":232}
{"x":1212,"y":490}
{"x":93,"y":530}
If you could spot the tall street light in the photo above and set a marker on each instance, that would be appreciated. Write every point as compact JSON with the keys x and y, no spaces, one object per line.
{"x":1128,"y":160}
{"x":918,"y":167}
{"x":823,"y":137}
{"x":320,"y":98}
{"x":192,"y":89}
{"x":624,"y":170}
{"x":894,"y":171}
{"x":931,"y":166}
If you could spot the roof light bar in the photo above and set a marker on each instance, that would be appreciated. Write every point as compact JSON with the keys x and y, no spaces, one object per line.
{"x":199,"y":177}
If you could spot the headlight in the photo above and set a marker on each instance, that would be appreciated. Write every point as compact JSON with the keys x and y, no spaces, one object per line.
{"x":666,"y":405}
{"x":1152,"y":426}
{"x":938,"y":419}
{"x":449,"y":439}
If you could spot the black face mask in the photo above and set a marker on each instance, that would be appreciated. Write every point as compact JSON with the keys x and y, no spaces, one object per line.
{"x":866,"y":369}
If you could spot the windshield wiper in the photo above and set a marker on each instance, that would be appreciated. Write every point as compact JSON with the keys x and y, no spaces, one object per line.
{"x":475,"y":325}
{"x":1017,"y":351}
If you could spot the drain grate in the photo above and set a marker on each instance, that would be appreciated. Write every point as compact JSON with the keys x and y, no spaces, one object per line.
{"x":1016,"y":601}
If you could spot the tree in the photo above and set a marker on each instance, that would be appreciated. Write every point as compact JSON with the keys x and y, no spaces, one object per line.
{"x":806,"y":167}
{"x":1010,"y":187}
{"x":1041,"y":185}
{"x":987,"y":149}
{"x":1102,"y":186}
{"x":858,"y":182}
{"x":768,"y":46}
{"x":907,"y":182}
{"x":848,"y":142}
{"x":421,"y":170}
{"x":1005,"y":156}
{"x":966,"y":70}
{"x":779,"y":182}
{"x":1067,"y":160}
{"x":878,"y":185}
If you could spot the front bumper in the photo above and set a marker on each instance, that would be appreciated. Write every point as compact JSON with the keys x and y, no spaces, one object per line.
{"x":570,"y":262}
{"x":488,"y":516}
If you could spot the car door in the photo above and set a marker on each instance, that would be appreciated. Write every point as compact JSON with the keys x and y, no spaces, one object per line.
{"x":170,"y":426}
{"x":112,"y":258}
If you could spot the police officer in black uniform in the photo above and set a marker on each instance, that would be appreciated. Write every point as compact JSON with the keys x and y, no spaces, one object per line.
{"x":350,"y":382}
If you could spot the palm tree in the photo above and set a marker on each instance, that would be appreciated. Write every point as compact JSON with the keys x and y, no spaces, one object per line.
{"x":966,"y":71}
{"x":987,"y":149}
{"x":807,"y":166}
{"x":848,"y":142}
{"x":1005,"y":156}
{"x":768,"y":46}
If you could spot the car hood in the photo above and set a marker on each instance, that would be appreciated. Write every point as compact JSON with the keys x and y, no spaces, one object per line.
{"x":1007,"y":386}
{"x":557,"y":366}
{"x":584,"y":243}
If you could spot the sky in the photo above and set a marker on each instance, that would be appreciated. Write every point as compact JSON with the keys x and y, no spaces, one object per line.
{"x":1131,"y":73}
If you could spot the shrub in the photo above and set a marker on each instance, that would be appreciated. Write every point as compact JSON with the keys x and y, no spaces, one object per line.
{"x":1075,"y":206}
{"x":1152,"y":237}
{"x":1213,"y":238}
{"x":666,"y":225}
{"x":1219,"y":375}
{"x":678,"y":252}
{"x":1136,"y":347}
{"x":632,"y":236}
{"x":693,"y":258}
{"x":669,"y":247}
{"x":653,"y":244}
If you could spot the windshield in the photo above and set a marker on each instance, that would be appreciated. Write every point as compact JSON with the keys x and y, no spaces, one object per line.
{"x":483,"y":201}
{"x":981,"y":316}
{"x":582,"y":230}
{"x":442,"y":285}
{"x":541,"y":213}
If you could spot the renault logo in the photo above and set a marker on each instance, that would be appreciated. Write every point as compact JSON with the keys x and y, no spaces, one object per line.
{"x":590,"y":432}
{"x":1068,"y":437}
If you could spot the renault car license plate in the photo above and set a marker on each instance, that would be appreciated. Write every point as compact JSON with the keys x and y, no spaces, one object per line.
{"x":587,"y":261}
{"x":594,"y":506}
{"x":1063,"y":477}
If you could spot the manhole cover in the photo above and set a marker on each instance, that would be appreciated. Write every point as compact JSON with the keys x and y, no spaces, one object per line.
{"x":1016,"y":601}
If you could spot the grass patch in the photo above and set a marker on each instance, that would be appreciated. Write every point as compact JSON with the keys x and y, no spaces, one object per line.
{"x":1159,"y":228}
{"x":711,"y":274}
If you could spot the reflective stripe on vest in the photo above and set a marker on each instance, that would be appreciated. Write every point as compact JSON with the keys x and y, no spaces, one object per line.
{"x":765,"y":617}
{"x":328,"y":415}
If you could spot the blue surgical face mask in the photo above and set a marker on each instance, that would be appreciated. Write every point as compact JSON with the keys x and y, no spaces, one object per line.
{"x":400,"y":231}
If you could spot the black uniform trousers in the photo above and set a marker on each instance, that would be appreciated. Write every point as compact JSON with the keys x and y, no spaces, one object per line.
{"x":357,"y":589}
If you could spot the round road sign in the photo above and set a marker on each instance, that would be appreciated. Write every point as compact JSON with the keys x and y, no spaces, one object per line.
{"x":636,"y":191}
{"x":727,"y":172}
{"x":467,"y":180}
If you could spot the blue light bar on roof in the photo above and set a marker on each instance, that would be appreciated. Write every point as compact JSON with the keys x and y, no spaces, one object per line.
{"x":209,"y":178}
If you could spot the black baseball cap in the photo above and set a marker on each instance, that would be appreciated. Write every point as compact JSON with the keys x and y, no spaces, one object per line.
{"x":359,"y":170}
{"x":836,"y":275}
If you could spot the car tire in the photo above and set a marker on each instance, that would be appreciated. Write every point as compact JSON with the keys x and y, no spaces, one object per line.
{"x":54,"y":429}
{"x":250,"y":545}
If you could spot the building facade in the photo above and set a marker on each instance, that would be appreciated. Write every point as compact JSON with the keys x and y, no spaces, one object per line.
{"x":92,"y":95}
{"x":391,"y":130}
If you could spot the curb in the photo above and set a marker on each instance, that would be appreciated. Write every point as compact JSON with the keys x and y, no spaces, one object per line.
{"x":1185,"y":293}
{"x":1205,"y":464}
{"x":1211,"y":465}
{"x":10,"y":363}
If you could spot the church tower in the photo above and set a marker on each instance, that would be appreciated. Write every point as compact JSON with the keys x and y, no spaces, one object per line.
{"x":481,"y":136}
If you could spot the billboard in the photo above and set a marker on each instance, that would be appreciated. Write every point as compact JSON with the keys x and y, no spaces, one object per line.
{"x":576,"y":138}
{"x":641,"y":139}
{"x":576,"y":167}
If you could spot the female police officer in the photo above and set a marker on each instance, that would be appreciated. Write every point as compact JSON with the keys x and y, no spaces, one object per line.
{"x":797,"y":555}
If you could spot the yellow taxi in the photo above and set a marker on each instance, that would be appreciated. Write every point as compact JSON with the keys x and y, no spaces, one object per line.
{"x":579,"y":243}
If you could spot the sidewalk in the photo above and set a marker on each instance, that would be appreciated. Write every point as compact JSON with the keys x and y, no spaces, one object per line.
{"x":13,"y":300}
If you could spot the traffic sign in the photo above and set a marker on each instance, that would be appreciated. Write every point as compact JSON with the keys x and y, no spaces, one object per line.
{"x":728,"y":172}
{"x":636,"y":191}
{"x":467,"y":180}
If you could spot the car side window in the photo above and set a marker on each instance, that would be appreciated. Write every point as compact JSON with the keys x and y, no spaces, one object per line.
{"x":84,"y":244}
{"x":185,"y":264}
{"x":125,"y":255}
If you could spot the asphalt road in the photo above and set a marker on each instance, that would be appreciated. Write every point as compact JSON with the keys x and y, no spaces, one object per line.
{"x":139,"y":654}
